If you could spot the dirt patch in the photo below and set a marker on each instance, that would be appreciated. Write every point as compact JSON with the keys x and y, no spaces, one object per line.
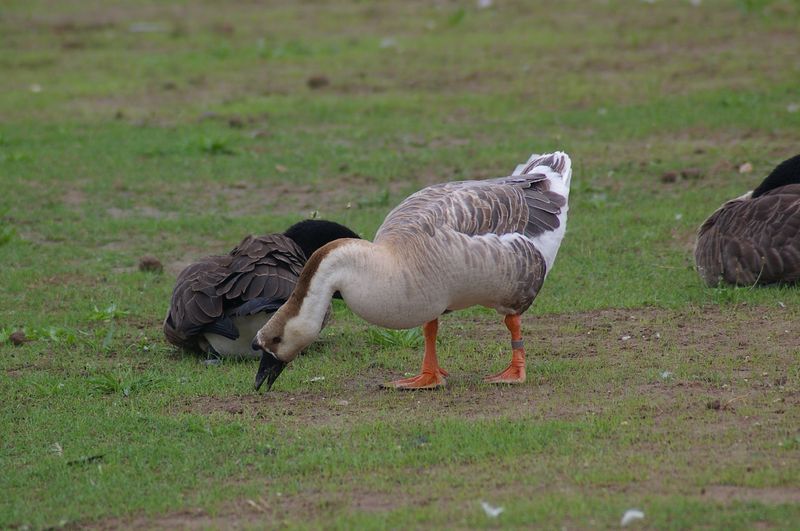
{"x":74,"y":198}
{"x":140,"y":212}
{"x":767,"y":496}
{"x":663,"y":394}
{"x":349,"y":407}
{"x":270,"y":510}
{"x":188,"y":519}
{"x":250,"y":198}
{"x":680,"y":360}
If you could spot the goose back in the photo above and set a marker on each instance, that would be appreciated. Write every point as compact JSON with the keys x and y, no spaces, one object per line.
{"x":259,"y":274}
{"x":752,"y":240}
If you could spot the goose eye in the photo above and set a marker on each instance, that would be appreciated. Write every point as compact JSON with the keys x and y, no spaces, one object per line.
{"x":277,"y":340}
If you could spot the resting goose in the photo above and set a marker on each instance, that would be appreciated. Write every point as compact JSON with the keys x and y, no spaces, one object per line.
{"x":446,"y":247}
{"x":220,"y":302}
{"x":755,"y":238}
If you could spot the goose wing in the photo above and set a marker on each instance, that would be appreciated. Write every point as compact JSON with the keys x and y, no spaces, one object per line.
{"x":258,"y":275}
{"x":524,"y":203}
{"x":752,"y":241}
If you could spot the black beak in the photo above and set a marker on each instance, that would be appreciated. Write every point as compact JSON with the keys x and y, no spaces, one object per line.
{"x":268,"y":370}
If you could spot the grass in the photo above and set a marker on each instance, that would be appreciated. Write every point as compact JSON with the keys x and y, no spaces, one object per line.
{"x":173,"y":129}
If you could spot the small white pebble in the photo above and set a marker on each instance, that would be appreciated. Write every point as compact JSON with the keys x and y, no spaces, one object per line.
{"x":745,"y":168}
{"x":666,"y":374}
{"x":316,"y":379}
{"x":36,"y":88}
{"x":484,"y":4}
{"x":630,"y":516}
{"x":658,"y":335}
{"x":625,"y":338}
{"x":793,"y":107}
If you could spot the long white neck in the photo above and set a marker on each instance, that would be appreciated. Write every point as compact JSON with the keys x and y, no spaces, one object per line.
{"x":377,"y":284}
{"x":331,"y":271}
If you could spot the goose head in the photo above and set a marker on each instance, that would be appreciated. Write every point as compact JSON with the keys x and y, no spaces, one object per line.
{"x":311,"y":234}
{"x":291,"y":329}
{"x":785,"y":173}
{"x":280,"y":341}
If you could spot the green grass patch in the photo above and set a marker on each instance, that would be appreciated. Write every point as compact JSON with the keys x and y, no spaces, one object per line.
{"x":174,"y":129}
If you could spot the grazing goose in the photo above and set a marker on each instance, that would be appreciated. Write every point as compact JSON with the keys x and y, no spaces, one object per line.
{"x":220,"y":302}
{"x":755,"y":238}
{"x":447,"y":247}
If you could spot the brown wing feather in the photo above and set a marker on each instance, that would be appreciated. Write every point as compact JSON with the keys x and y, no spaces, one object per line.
{"x":752,"y":241}
{"x":264,"y":266}
{"x":521,"y":204}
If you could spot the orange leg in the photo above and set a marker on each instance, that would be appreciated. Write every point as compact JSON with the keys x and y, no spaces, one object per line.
{"x":515,"y":373}
{"x":432,"y":375}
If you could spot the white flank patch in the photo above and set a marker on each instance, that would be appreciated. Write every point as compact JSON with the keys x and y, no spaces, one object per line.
{"x":248,"y":326}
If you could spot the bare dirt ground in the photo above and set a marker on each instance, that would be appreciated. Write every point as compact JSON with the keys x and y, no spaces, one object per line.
{"x":733,"y":341}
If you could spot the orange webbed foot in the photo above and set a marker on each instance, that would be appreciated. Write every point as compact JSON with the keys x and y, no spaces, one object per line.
{"x":515,"y":373}
{"x":512,"y":375}
{"x":426,"y":380}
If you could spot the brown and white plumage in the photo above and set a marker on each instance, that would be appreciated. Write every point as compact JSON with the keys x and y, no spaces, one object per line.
{"x":755,"y":239}
{"x":488,"y":230}
{"x":220,"y":302}
{"x":446,"y":247}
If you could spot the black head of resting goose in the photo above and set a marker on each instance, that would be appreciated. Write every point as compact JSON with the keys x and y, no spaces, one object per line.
{"x":755,"y":238}
{"x":446,"y":247}
{"x":220,"y":302}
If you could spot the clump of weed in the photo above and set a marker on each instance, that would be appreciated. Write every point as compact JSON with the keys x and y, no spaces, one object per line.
{"x":216,"y":146}
{"x":108,"y":383}
{"x":411,"y":338}
{"x":56,"y":334}
{"x":724,"y":295}
{"x":7,"y":231}
{"x":110,"y":313}
{"x":457,"y":17}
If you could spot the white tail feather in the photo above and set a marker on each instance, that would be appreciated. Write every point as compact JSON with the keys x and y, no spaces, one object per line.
{"x":555,"y":165}
{"x":558,"y":169}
